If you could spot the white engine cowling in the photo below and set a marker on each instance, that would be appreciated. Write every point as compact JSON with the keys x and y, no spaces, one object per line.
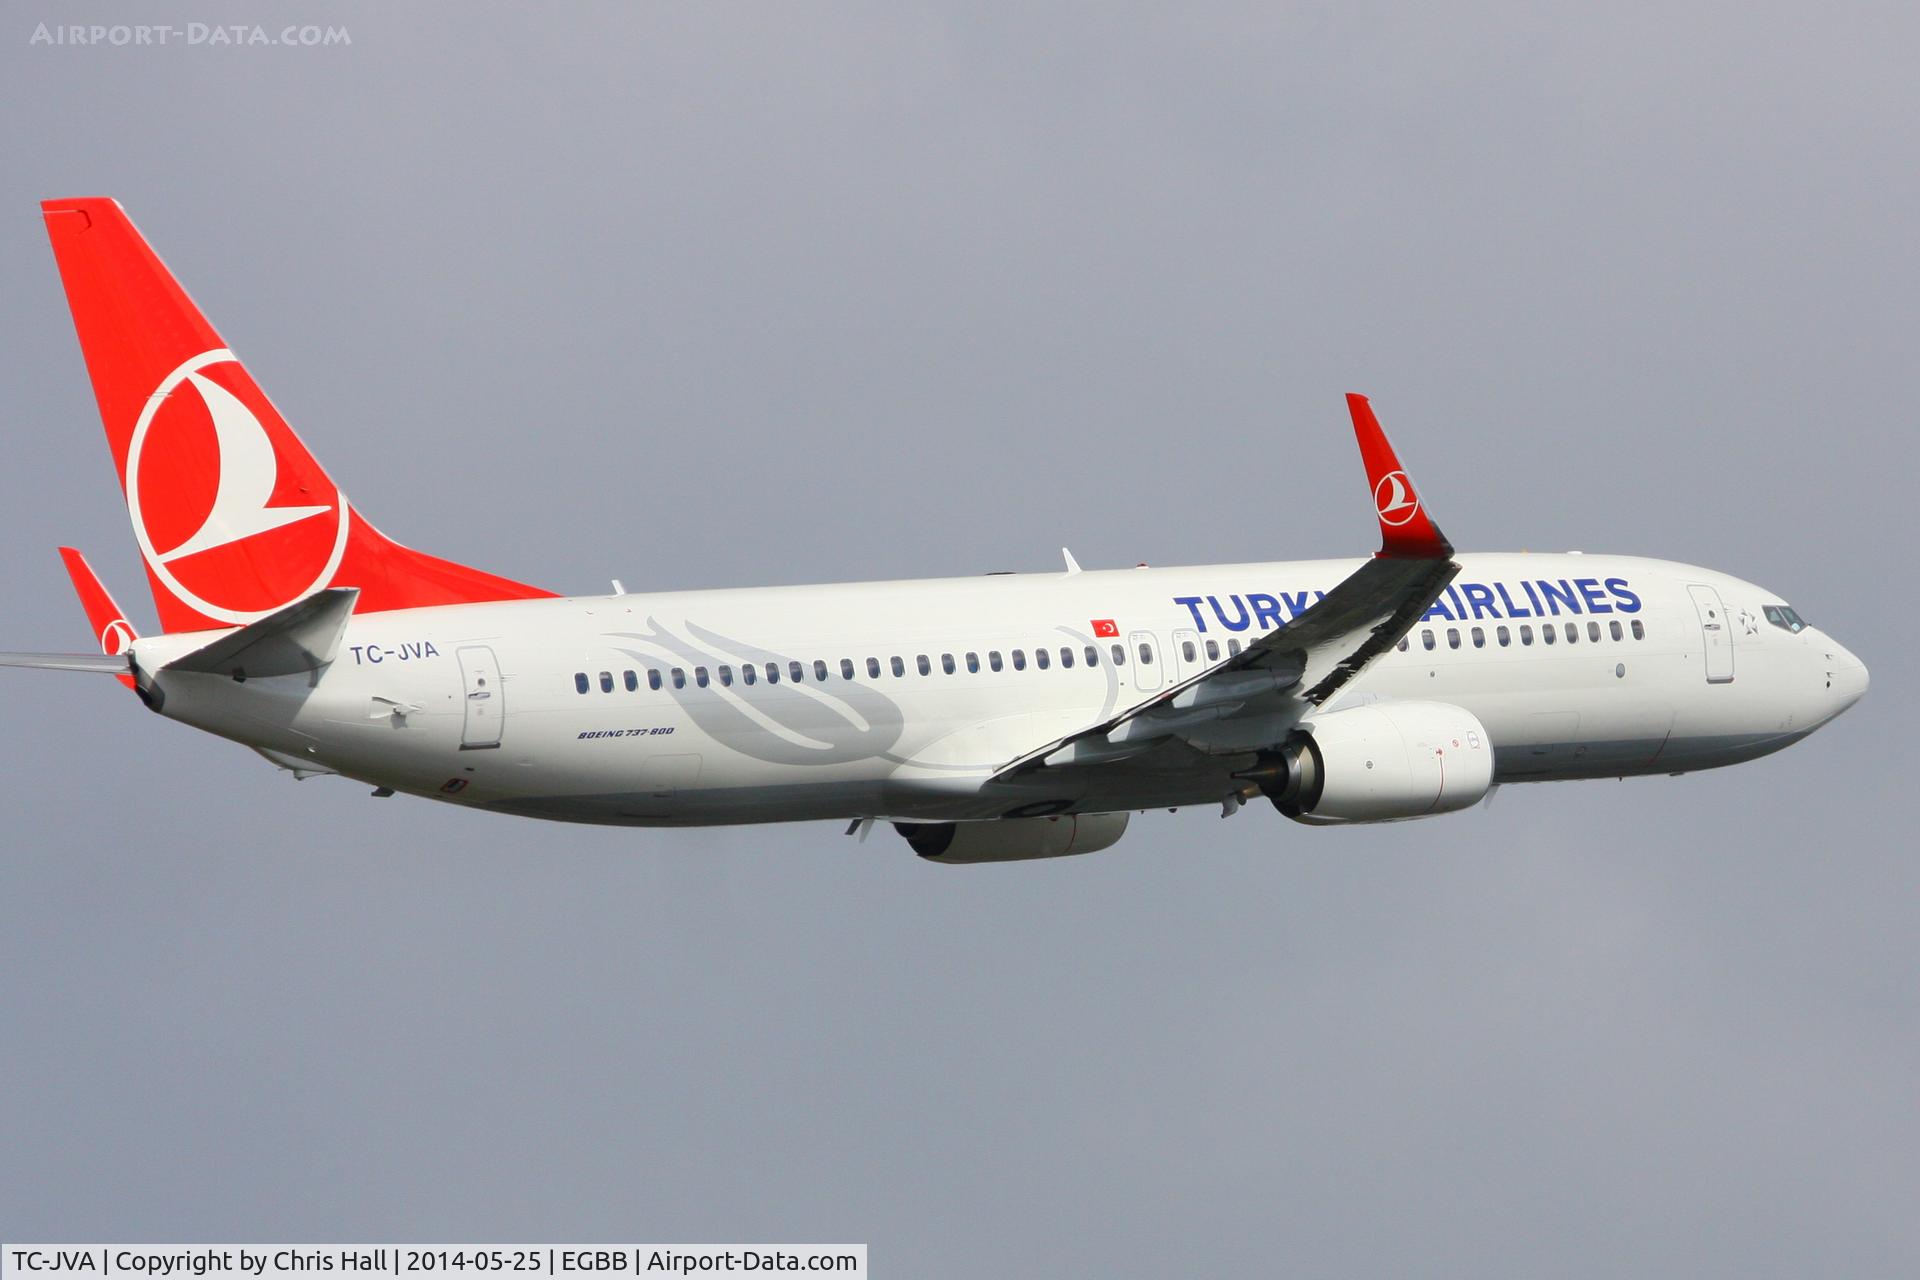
{"x":1014,"y":839}
{"x":1387,"y":762}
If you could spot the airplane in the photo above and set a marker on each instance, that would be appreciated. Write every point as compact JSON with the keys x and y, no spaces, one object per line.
{"x":988,"y":719}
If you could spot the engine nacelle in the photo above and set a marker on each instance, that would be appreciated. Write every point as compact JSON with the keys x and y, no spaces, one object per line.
{"x":1014,"y":839}
{"x":1386,"y":762}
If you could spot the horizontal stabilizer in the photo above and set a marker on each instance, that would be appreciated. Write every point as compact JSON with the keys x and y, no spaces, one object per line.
{"x":300,"y":638}
{"x":103,"y":664}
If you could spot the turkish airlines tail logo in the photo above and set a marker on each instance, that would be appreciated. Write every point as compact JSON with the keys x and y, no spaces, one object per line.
{"x":214,"y":481}
{"x":248,"y":471}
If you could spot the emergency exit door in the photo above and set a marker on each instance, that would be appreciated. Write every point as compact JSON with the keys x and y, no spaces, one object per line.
{"x":1718,"y":636}
{"x":485,"y":705}
{"x":1146,"y":661}
{"x":1186,"y":652}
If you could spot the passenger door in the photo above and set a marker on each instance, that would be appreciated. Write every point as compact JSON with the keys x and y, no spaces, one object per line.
{"x":485,"y":705}
{"x":1718,"y":636}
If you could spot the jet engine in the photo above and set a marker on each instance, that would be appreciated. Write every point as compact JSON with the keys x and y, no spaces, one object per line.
{"x":1014,"y":839}
{"x":1381,"y":763}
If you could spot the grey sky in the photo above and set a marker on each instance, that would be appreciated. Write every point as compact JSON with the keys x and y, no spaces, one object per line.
{"x":703,"y":295}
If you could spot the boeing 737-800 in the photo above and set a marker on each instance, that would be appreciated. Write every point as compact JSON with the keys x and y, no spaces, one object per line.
{"x":989,"y":719}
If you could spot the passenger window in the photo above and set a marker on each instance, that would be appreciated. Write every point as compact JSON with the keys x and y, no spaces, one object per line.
{"x":796,"y":672}
{"x":606,"y":682}
{"x":899,"y":666}
{"x":1119,"y":655}
{"x":700,"y":676}
{"x":1066,"y":657}
{"x":1213,"y":651}
{"x":1613,"y":628}
{"x":679,"y":678}
{"x":748,"y":674}
{"x":1453,"y":637}
{"x":631,"y":679}
{"x":946,"y":663}
{"x":1427,"y":641}
{"x":1040,"y":658}
{"x":1593,"y":630}
{"x":1402,"y":646}
{"x":1233,"y":648}
{"x":993,"y":659}
{"x":1093,"y":656}
{"x":846,"y":668}
{"x":1146,"y":654}
{"x":1479,"y":638}
{"x":1019,"y":657}
{"x":973,"y":663}
{"x":922,"y":662}
{"x":873,"y":668}
{"x":1573,"y":632}
{"x":1187,"y":652}
{"x":1547,"y":634}
{"x":1526,"y":633}
{"x":820,"y":670}
{"x":653,"y":679}
{"x":580,"y":681}
{"x":773,"y":673}
{"x":726,"y":676}
{"x":1504,"y":636}
{"x":1639,"y":632}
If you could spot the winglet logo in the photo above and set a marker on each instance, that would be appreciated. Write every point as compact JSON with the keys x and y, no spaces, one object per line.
{"x":117,"y":638}
{"x":232,"y":552}
{"x":1395,"y":500}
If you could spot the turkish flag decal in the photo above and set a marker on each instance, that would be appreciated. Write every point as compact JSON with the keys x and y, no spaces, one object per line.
{"x":1106,"y":628}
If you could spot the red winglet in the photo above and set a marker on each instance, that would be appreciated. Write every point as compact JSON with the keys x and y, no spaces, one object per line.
{"x":109,"y":621}
{"x":1405,"y":528}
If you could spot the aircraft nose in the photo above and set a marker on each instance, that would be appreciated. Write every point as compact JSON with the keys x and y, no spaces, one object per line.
{"x":1846,"y":677}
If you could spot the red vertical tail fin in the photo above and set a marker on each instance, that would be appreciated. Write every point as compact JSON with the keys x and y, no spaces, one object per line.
{"x":233,"y":516}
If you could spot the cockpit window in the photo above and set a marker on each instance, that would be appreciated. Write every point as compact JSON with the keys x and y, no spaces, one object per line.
{"x":1783,"y":616}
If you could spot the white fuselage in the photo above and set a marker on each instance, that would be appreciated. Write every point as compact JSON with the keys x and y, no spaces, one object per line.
{"x":482,"y":704}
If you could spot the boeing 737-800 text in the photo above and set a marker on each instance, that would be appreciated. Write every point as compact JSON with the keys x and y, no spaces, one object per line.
{"x":993,"y":718}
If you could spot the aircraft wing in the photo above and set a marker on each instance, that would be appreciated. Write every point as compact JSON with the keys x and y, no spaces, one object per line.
{"x":1289,"y":671}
